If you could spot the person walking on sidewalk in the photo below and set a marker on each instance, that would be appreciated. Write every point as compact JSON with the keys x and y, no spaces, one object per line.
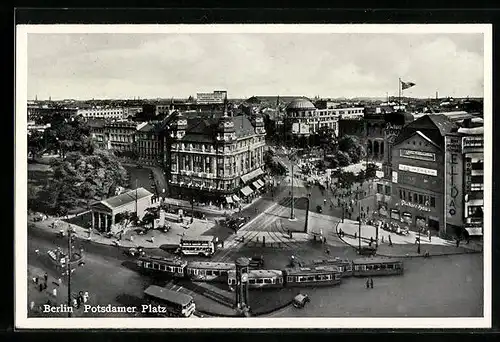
{"x":390,"y":241}
{"x":367,"y":283}
{"x":458,"y":242}
{"x":371,"y":282}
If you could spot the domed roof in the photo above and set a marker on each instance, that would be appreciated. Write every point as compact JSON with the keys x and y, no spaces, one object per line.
{"x":300,"y":104}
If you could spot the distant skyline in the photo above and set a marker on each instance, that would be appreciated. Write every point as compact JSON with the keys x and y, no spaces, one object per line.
{"x":335,"y":65}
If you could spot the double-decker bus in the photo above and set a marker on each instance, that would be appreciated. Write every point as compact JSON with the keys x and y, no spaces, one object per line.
{"x":166,"y":303}
{"x":204,"y":245}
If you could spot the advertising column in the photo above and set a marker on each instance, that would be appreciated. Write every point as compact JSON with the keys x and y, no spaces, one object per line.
{"x":454,"y":196}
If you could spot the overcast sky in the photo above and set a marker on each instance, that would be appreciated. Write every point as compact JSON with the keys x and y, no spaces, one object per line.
{"x":84,"y":66}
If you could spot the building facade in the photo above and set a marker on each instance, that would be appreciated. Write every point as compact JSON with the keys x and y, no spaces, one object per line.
{"x":217,"y":159}
{"x":418,"y":158}
{"x":302,"y":118}
{"x":101,"y":113}
{"x":216,"y":97}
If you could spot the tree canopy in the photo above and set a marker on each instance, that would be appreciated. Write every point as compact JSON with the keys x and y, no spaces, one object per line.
{"x":352,"y":146}
{"x":81,"y":177}
{"x":69,"y":135}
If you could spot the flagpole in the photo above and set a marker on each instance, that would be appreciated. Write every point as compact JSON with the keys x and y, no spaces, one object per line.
{"x":399,"y":90}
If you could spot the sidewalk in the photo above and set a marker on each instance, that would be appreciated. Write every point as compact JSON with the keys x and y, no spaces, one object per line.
{"x":213,"y":210}
{"x":402,"y":246}
{"x":172,"y":237}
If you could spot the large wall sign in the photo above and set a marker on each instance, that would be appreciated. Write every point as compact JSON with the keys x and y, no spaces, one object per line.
{"x":415,"y":169}
{"x":415,"y":205}
{"x":427,"y":156}
{"x":453,"y":181}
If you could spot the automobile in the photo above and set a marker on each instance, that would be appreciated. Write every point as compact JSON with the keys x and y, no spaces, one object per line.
{"x":319,"y":209}
{"x":238,"y":222}
{"x":300,"y":300}
{"x":135,"y":251}
{"x":257,"y":261}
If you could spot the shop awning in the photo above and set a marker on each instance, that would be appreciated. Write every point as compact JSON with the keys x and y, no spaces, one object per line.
{"x":229,"y":199}
{"x":246,"y":191}
{"x":475,"y":231}
{"x":256,"y":185}
{"x":236,"y":198}
{"x":252,"y":175}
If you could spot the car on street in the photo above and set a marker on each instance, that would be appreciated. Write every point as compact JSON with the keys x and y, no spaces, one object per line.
{"x":301,"y":300}
{"x":257,"y":261}
{"x":135,"y":251}
{"x":319,"y":209}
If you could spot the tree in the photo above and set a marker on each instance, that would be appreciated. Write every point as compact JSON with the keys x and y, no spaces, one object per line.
{"x":35,"y":144}
{"x":351,"y":145}
{"x":83,"y":178}
{"x":371,"y":171}
{"x":343,"y":158}
{"x":69,"y":136}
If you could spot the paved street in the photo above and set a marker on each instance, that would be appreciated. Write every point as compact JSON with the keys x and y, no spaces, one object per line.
{"x":450,"y":286}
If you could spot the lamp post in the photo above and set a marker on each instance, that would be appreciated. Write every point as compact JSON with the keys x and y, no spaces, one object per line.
{"x":359,"y":225}
{"x":418,"y":246}
{"x":292,"y":216}
{"x":68,"y":267}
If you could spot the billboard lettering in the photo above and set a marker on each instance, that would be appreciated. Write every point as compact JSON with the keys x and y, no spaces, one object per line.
{"x":420,"y":170}
{"x":411,"y":154}
{"x":453,"y":181}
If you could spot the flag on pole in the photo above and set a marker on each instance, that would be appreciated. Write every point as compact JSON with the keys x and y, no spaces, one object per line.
{"x":406,"y":85}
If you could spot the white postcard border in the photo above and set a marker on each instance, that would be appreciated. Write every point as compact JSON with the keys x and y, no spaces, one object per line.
{"x":21,"y":318}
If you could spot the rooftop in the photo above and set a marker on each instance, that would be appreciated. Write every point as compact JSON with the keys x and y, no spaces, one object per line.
{"x":125,"y":198}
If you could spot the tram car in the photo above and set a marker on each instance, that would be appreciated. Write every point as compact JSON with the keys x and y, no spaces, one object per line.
{"x":259,"y":279}
{"x":174,"y":267}
{"x":377,"y":267}
{"x":209,"y":271}
{"x":344,"y":265}
{"x":312,"y":276}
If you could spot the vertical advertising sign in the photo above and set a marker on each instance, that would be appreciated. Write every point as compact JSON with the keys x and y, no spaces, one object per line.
{"x":468,"y":175}
{"x":453,"y":181}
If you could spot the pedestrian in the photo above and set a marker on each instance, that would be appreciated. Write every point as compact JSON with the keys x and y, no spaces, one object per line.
{"x":367,"y":283}
{"x":35,"y":280}
{"x":40,"y":287}
{"x":54,"y":292}
{"x":458,"y":242}
{"x":371,"y":282}
{"x":382,"y":240}
{"x":46,"y":276}
{"x":59,"y":281}
{"x":45,"y":286}
{"x":340,"y":232}
{"x":371,"y":240}
{"x":355,"y":235}
{"x":390,"y":241}
{"x":430,"y":237}
{"x":32,"y":305}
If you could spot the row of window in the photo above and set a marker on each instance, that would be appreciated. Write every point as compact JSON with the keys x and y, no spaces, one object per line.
{"x":162,"y":267}
{"x":377,"y":267}
{"x":417,"y":198}
{"x":317,"y":277}
{"x":207,"y":272}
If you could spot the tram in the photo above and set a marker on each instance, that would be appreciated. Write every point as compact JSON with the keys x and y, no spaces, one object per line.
{"x":312,"y":276}
{"x":258,"y":279}
{"x":377,"y":267}
{"x":174,"y":267}
{"x":209,"y":271}
{"x":344,"y":265}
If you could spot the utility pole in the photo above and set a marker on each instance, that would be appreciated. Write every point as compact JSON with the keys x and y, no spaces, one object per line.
{"x":136,"y":198}
{"x":68,"y":268}
{"x":292,"y":216}
{"x":359,"y":225}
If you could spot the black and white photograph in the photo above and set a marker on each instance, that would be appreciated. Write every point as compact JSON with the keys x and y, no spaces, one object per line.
{"x":253,"y":176}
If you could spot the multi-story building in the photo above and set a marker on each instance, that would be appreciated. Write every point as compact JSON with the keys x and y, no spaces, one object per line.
{"x":217,"y":158}
{"x":303,"y":118}
{"x":216,"y":97}
{"x":131,"y":112}
{"x":101,"y":113}
{"x":114,"y":135}
{"x":464,"y":181}
{"x":418,"y":157}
